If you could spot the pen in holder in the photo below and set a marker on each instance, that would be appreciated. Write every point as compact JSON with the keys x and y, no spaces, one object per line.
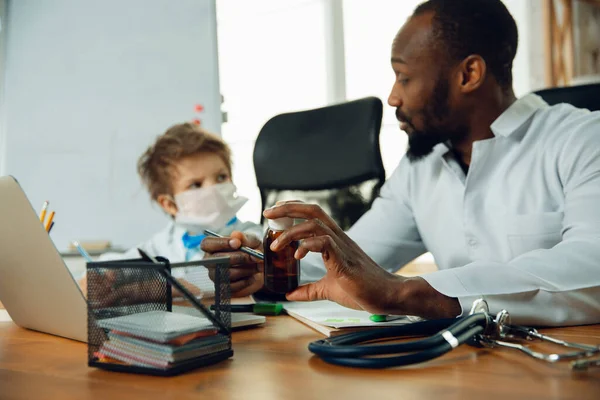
{"x":144,"y":318}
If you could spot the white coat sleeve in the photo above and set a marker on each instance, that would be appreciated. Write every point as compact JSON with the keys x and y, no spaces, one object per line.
{"x":556,"y":286}
{"x":387,"y":232}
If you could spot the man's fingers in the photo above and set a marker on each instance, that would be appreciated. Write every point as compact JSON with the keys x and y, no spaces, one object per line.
{"x":215,"y":244}
{"x":242,"y":284}
{"x":303,"y":211}
{"x":246,"y":240}
{"x":247,"y":287}
{"x":321,"y":244}
{"x":309,"y":292}
{"x":239,"y":259}
{"x":307,"y":229}
{"x":236,"y":274}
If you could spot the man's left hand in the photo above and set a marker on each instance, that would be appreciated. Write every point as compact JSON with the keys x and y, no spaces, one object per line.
{"x":352,"y":278}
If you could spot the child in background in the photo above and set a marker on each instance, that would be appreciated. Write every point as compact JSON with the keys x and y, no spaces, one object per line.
{"x":187,"y":171}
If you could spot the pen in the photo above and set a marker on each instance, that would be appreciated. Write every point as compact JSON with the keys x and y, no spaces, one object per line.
{"x":147,"y":256}
{"x":258,"y":308}
{"x":49,"y":222}
{"x":82,"y":251}
{"x":385,"y":318}
{"x":245,"y":249}
{"x":43,"y":213}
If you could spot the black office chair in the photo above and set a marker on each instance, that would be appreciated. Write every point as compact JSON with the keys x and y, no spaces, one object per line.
{"x":582,"y":96}
{"x":329,"y":156}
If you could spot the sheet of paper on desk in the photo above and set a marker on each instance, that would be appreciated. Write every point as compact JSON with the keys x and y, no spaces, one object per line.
{"x":4,"y":317}
{"x":321,"y":314}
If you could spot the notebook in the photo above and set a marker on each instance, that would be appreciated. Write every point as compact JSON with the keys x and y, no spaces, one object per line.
{"x":332,"y":319}
{"x":238,"y":320}
{"x":160,"y":326}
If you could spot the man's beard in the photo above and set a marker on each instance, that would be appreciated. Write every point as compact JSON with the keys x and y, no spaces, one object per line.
{"x":422,"y":142}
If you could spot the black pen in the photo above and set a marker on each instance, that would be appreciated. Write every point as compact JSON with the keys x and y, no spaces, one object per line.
{"x":245,"y":249}
{"x":257,"y":308}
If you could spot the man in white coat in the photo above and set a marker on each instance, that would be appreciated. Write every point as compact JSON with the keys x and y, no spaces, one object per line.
{"x":504,"y":192}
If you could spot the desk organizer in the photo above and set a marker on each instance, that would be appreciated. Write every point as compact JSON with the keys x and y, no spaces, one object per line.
{"x":143,"y":319}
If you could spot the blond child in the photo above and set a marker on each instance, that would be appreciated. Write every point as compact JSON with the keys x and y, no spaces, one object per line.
{"x":187,"y":172}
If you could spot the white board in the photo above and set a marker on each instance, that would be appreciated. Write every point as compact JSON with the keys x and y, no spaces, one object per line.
{"x":88,"y":85}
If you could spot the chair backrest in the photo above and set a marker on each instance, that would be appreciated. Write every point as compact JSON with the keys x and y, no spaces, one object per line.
{"x":328,"y":155}
{"x":582,"y":96}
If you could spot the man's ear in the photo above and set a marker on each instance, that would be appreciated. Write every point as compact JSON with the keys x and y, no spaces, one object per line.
{"x":167,"y":203}
{"x":473,"y":72}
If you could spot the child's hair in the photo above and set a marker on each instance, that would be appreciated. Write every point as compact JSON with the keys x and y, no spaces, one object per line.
{"x":155,"y":166}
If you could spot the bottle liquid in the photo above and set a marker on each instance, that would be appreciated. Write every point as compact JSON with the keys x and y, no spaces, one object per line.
{"x":282,"y":270}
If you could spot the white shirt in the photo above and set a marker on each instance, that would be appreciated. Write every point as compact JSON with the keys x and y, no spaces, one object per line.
{"x":521,"y":229}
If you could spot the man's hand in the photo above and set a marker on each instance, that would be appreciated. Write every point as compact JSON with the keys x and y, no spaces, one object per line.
{"x":353,"y":279}
{"x":246,"y":272}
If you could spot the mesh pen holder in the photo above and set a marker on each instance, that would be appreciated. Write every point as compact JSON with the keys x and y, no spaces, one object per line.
{"x":153,"y":317}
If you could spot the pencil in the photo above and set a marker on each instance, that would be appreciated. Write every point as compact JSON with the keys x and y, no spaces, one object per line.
{"x":49,"y":222}
{"x":43,"y":213}
{"x":51,"y":225}
{"x":82,"y":251}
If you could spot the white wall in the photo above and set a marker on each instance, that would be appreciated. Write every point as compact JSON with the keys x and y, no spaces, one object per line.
{"x":89,"y":85}
{"x":3,"y":8}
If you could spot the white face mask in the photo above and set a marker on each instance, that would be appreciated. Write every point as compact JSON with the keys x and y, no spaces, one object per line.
{"x":211,"y":207}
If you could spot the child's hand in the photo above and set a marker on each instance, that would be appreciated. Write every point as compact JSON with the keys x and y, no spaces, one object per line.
{"x":246,"y":272}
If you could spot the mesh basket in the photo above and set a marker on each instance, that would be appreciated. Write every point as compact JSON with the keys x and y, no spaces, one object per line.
{"x":154,"y":318}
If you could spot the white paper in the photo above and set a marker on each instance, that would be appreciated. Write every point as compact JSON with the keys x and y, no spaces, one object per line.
{"x":331,"y":314}
{"x":4,"y":317}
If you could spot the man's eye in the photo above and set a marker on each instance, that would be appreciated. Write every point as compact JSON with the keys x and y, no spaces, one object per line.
{"x":403,"y":81}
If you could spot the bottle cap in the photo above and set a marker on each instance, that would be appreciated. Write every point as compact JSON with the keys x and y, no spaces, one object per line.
{"x":280,"y":224}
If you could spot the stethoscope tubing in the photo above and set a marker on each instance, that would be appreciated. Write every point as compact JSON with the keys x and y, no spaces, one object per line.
{"x":404,"y":360}
{"x":344,"y":349}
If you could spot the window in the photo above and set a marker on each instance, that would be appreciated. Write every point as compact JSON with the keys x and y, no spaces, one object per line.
{"x":369,"y":29}
{"x":272,"y":59}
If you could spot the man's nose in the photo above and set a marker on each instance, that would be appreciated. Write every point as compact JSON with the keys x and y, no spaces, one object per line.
{"x":394,"y":100}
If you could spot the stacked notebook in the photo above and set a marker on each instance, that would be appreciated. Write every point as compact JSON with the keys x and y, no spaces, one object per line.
{"x":159,"y":339}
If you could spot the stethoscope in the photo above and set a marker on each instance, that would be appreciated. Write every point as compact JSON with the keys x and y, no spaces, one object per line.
{"x":479,"y":328}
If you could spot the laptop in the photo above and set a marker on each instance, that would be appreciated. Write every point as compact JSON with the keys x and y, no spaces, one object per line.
{"x":36,"y":287}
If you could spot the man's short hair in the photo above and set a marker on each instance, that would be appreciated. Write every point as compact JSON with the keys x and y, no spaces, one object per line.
{"x":155,"y":166}
{"x":483,"y":27}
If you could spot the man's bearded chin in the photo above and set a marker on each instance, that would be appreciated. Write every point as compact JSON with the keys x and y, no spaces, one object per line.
{"x":421,"y":144}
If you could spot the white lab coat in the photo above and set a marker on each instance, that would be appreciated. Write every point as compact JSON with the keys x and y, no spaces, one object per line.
{"x":168,"y":243}
{"x":521,"y":230}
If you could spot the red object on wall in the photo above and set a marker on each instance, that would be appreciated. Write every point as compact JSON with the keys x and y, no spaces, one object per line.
{"x":199,"y":108}
{"x":196,"y":121}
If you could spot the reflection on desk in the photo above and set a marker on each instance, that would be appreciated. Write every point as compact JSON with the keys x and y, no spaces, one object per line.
{"x":274,"y":363}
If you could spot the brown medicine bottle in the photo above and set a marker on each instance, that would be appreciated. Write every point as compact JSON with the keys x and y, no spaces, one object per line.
{"x":282,"y":270}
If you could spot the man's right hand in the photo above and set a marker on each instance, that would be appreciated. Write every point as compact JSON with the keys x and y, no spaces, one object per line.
{"x":246,"y":272}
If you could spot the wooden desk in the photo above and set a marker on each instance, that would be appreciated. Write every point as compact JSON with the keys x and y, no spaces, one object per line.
{"x":273,"y":362}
